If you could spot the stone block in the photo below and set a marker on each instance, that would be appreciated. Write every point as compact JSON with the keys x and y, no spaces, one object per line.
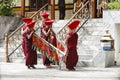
{"x":104,"y":59}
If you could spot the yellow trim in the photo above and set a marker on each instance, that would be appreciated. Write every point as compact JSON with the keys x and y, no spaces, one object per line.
{"x":68,"y":6}
{"x":18,"y":8}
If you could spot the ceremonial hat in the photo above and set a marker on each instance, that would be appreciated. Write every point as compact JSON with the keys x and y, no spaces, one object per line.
{"x":74,"y":24}
{"x":45,"y":14}
{"x":49,"y":22}
{"x":27,"y":20}
{"x":31,"y":24}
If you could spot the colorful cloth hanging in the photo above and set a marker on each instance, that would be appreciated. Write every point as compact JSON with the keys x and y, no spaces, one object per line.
{"x":39,"y":45}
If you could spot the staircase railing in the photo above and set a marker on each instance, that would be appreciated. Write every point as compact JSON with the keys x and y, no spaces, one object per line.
{"x":14,"y":40}
{"x":83,"y":14}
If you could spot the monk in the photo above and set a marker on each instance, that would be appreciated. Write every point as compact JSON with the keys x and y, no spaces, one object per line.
{"x":52,"y":40}
{"x":52,"y":36}
{"x":71,"y":46}
{"x":45,"y":16}
{"x":26,"y":21}
{"x":30,"y":54}
{"x":45,"y":30}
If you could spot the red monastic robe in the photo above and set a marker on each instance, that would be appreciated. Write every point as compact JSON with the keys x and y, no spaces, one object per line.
{"x":72,"y":56}
{"x":23,"y":41}
{"x":46,"y":61}
{"x":30,"y":54}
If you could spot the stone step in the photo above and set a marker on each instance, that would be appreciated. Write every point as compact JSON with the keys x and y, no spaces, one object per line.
{"x":91,"y":23}
{"x":86,"y":60}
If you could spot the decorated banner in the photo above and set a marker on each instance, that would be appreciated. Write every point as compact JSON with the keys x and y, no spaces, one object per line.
{"x":40,"y":45}
{"x":60,"y":46}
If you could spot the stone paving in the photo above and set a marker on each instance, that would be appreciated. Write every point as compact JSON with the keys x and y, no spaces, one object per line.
{"x":18,"y":71}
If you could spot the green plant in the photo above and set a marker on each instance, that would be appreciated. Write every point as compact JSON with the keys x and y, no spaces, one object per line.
{"x":114,"y":5}
{"x":6,"y":7}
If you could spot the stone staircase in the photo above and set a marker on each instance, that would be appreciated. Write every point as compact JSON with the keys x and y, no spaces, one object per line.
{"x":89,"y":40}
{"x":88,"y":43}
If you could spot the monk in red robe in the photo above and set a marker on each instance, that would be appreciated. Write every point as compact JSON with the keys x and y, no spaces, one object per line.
{"x":45,"y":16}
{"x":30,"y":54}
{"x":71,"y":46}
{"x":45,"y":30}
{"x":26,"y":21}
{"x":52,"y":39}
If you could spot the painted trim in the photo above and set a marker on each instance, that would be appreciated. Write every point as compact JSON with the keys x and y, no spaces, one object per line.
{"x":18,"y":8}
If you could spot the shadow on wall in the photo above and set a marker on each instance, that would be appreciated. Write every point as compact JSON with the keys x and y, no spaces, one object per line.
{"x":8,"y":25}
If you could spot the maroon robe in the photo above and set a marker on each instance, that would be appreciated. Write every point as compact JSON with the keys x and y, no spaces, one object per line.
{"x":72,"y":56}
{"x":30,"y":54}
{"x":23,"y":41}
{"x":46,"y":61}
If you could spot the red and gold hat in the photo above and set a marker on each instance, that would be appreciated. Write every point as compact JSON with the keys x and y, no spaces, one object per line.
{"x":74,"y":24}
{"x":49,"y":22}
{"x":31,"y":24}
{"x":27,"y":20}
{"x":45,"y":14}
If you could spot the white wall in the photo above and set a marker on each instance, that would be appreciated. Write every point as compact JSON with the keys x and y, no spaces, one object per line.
{"x":18,"y":2}
{"x":112,"y":18}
